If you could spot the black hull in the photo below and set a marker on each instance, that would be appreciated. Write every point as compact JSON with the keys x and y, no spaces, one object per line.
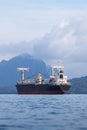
{"x":42,"y":89}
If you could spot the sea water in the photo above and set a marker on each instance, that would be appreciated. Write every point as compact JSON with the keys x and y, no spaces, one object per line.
{"x":43,"y":112}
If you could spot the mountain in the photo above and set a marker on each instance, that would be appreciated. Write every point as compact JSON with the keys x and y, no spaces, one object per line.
{"x":79,"y":85}
{"x":9,"y":74}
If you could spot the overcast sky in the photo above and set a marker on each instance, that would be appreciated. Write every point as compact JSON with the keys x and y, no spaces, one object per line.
{"x":48,"y":29}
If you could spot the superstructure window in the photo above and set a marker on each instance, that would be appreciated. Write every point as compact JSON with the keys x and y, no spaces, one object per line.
{"x":61,"y":76}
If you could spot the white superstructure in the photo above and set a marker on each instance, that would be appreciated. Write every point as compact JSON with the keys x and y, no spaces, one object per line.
{"x":58,"y":78}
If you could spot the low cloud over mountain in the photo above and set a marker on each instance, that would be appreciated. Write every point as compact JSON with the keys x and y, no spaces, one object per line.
{"x":67,"y":41}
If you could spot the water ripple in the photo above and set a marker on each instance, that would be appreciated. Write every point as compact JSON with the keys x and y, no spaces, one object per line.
{"x":43,"y":112}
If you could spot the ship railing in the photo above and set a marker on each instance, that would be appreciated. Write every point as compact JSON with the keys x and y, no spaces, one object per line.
{"x":64,"y":83}
{"x":23,"y":82}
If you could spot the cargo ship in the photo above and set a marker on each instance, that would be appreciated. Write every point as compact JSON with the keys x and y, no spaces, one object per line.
{"x":57,"y":83}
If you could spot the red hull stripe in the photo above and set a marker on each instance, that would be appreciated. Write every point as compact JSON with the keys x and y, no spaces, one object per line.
{"x":42,"y":92}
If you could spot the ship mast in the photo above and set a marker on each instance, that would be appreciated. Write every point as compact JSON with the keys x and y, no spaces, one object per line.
{"x":56,"y":67}
{"x":22,"y":72}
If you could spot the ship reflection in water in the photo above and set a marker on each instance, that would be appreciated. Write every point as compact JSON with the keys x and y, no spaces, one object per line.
{"x":57,"y":83}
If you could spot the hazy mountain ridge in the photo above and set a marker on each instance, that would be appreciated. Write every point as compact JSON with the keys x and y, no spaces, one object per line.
{"x":9,"y":74}
{"x":79,"y":85}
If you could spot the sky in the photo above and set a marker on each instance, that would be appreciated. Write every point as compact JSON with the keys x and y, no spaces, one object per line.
{"x":53,"y":30}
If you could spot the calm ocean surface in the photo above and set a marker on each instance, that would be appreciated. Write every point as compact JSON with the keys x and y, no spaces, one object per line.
{"x":43,"y":112}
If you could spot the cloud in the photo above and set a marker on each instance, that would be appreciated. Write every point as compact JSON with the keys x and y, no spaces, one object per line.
{"x":67,"y":42}
{"x":12,"y":49}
